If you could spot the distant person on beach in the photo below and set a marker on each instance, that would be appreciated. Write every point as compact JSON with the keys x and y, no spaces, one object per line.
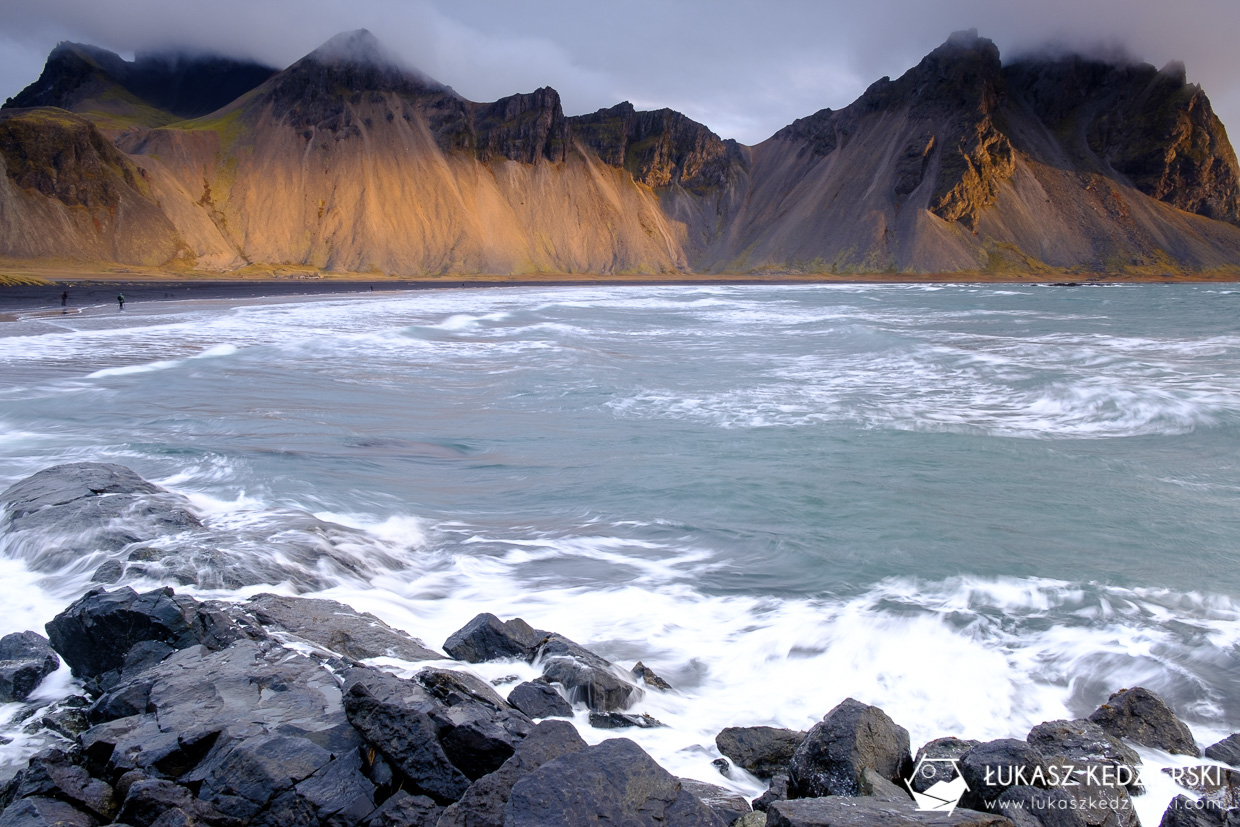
{"x":64,"y":298}
{"x":120,"y":299}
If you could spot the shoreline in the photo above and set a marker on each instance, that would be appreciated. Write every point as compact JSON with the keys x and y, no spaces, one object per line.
{"x":33,"y":291}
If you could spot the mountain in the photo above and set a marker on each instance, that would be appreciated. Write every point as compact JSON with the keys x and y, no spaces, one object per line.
{"x":349,"y":161}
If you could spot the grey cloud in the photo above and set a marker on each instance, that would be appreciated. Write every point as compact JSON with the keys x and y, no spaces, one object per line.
{"x":744,"y":69}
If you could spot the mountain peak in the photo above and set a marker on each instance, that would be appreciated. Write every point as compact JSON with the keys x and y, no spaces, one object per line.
{"x":357,"y":46}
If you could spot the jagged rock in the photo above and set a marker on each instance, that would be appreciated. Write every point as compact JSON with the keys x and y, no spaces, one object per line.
{"x":453,"y":688}
{"x":147,"y":800}
{"x":523,"y":128}
{"x":992,"y":767}
{"x":1035,"y":807}
{"x":67,"y":716}
{"x":1184,"y":812}
{"x":337,"y":627}
{"x":486,"y":638}
{"x":937,"y":766}
{"x":852,"y":737}
{"x":94,"y":635}
{"x":615,"y":781}
{"x":1226,"y":750}
{"x":1105,"y":768}
{"x":586,"y":677}
{"x":777,"y":790}
{"x":1144,"y":718}
{"x":622,"y":720}
{"x":44,"y":812}
{"x":538,"y":699}
{"x":405,"y":810}
{"x":53,"y":774}
{"x":25,"y":660}
{"x":484,"y":802}
{"x":849,"y":811}
{"x":762,"y":750}
{"x":647,"y":676}
{"x":86,"y":506}
{"x":243,"y":776}
{"x":729,"y":806}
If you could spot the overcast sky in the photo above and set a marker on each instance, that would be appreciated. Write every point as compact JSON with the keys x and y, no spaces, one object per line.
{"x":745,"y":69}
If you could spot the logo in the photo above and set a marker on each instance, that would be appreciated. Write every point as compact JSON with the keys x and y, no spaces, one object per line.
{"x":942,"y":796}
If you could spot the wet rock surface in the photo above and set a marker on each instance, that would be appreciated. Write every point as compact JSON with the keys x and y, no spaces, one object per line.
{"x":851,"y":738}
{"x":762,"y":750}
{"x":1144,"y":718}
{"x":26,"y":658}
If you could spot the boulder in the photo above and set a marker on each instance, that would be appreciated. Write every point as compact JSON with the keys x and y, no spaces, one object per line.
{"x":614,"y":782}
{"x":852,"y":737}
{"x":37,"y":811}
{"x":1144,"y":718}
{"x":849,"y":811}
{"x":538,"y":699}
{"x":623,"y":720}
{"x":729,"y":806}
{"x":1034,"y":807}
{"x":586,"y":677}
{"x":486,"y":637}
{"x":1104,"y":768}
{"x":148,"y":800}
{"x":936,"y":761}
{"x":454,"y":687}
{"x":1226,"y":750}
{"x":337,"y":628}
{"x":405,"y":810}
{"x":484,"y":802}
{"x":647,"y":676}
{"x":54,"y":774}
{"x":992,"y":767}
{"x":64,"y":512}
{"x":762,"y":750}
{"x":26,"y":658}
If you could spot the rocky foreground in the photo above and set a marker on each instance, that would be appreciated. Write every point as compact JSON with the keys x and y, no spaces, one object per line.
{"x":272,"y":712}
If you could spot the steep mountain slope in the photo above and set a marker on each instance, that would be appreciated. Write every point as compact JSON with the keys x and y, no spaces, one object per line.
{"x":348,"y":161}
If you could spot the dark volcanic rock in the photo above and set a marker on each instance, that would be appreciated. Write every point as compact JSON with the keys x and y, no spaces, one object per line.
{"x":851,"y":737}
{"x":405,"y":810}
{"x":586,"y":677}
{"x":936,"y":766}
{"x":762,"y":750}
{"x":615,"y":781}
{"x":53,"y":774}
{"x":847,"y":811}
{"x":1226,"y":750}
{"x":726,"y":804}
{"x":453,"y":688}
{"x":538,"y":699}
{"x":525,"y":128}
{"x":484,"y":802}
{"x":44,"y":812}
{"x":992,"y":767}
{"x":337,"y":627}
{"x":1144,"y":718}
{"x":486,"y":638}
{"x":647,"y":676}
{"x":25,"y":659}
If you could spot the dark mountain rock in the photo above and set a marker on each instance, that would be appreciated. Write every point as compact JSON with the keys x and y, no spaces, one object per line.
{"x":615,"y":781}
{"x":851,"y":738}
{"x":486,"y":637}
{"x":337,"y":627}
{"x":1226,"y":750}
{"x":660,"y":148}
{"x":586,"y":677}
{"x":26,"y":658}
{"x":484,"y":802}
{"x":538,"y":699}
{"x":523,"y":128}
{"x":762,"y":750}
{"x":1144,"y":718}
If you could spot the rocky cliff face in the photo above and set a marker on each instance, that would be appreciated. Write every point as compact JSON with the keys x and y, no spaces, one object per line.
{"x":349,"y":161}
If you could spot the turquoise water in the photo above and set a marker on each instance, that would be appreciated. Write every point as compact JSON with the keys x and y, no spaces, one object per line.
{"x":976,"y":507}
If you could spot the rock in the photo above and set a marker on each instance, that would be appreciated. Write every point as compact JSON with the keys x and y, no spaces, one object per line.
{"x":340,"y":793}
{"x":405,"y":810}
{"x":1081,"y":742}
{"x":453,"y":688}
{"x":586,"y":677}
{"x":486,"y":638}
{"x":484,"y":802}
{"x":1219,"y":786}
{"x":874,"y":785}
{"x":53,"y":774}
{"x":60,"y":513}
{"x":26,"y":658}
{"x":1144,"y":718}
{"x":147,"y":800}
{"x":1104,"y":768}
{"x":851,"y":737}
{"x":244,"y":775}
{"x":724,"y":766}
{"x":647,"y":676}
{"x":44,"y":812}
{"x":96,"y":632}
{"x":1034,"y":807}
{"x":848,"y":811}
{"x":778,"y":790}
{"x":538,"y":699}
{"x":623,"y":720}
{"x":729,"y":806}
{"x":754,"y":819}
{"x":1184,"y":812}
{"x":108,"y":572}
{"x":936,"y":761}
{"x":761,"y":750}
{"x":1226,"y":750}
{"x":615,"y":781}
{"x":337,"y":627}
{"x":992,"y":767}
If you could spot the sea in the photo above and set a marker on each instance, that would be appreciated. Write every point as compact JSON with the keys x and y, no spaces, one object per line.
{"x":976,"y":507}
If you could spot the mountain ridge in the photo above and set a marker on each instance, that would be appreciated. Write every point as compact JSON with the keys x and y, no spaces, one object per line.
{"x":348,"y":161}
